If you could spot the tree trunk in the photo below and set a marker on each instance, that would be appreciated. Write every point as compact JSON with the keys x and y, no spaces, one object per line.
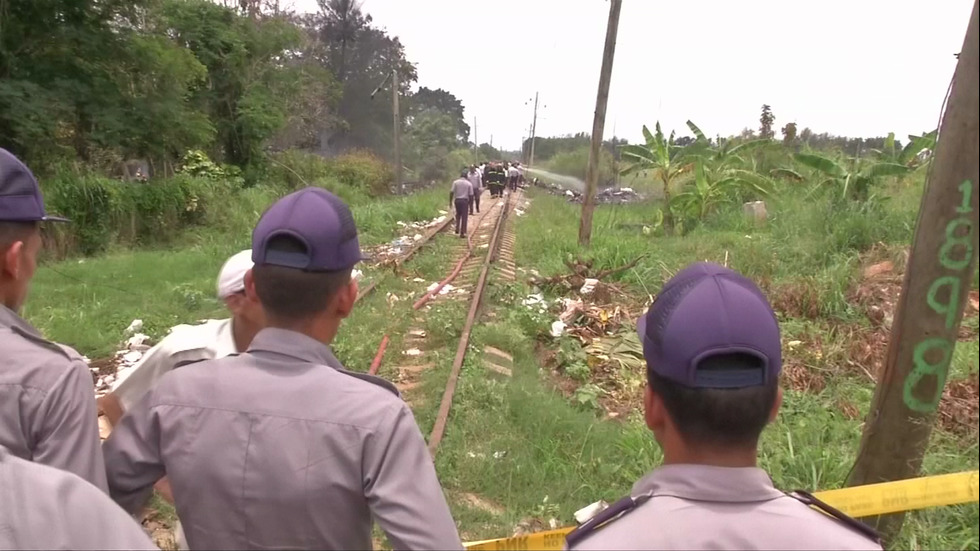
{"x":934,"y":294}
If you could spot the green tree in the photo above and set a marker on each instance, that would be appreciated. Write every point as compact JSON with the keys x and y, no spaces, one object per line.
{"x":444,"y":102}
{"x":765,"y":123}
{"x":344,"y":40}
{"x":789,"y":134}
{"x":667,"y":161}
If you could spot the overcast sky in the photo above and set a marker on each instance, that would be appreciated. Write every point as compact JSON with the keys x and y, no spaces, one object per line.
{"x":848,"y":67}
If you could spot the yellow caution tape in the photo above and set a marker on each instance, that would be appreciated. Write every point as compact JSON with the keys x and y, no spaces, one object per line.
{"x":858,"y":501}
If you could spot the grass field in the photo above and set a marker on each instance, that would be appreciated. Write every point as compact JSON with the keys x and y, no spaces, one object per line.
{"x":519,"y":452}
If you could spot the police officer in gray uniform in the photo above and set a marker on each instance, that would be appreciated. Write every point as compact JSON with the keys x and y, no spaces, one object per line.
{"x":47,"y":399}
{"x":281,"y":447}
{"x":46,"y":508}
{"x":712,"y":348}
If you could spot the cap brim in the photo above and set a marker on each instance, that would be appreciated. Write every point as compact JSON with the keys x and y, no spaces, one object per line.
{"x":54,"y":219}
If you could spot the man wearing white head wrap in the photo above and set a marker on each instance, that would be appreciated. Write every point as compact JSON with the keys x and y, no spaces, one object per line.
{"x":190,"y":344}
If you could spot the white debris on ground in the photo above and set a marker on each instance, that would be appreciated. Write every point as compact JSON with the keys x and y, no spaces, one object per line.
{"x":357,"y":275}
{"x":446,"y":289}
{"x":570,"y":308}
{"x":588,"y":286}
{"x":412,"y":352}
{"x":519,"y":212}
{"x":536,"y":302}
{"x":132,"y":352}
{"x":413,"y":233}
{"x":557,"y":328}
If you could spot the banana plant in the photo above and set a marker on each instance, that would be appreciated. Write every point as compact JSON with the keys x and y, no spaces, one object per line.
{"x":909,"y":154}
{"x":713,"y":186}
{"x":666,"y":160}
{"x":854,"y":183}
{"x":729,"y":153}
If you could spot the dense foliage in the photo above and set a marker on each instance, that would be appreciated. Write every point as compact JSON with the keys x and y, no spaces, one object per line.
{"x":95,"y":83}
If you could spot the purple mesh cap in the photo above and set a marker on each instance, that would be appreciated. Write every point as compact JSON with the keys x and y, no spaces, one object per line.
{"x":318,"y":220}
{"x":703,"y":311}
{"x":20,"y":196}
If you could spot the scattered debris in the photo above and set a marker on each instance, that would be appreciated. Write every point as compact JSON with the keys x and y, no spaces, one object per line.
{"x":446,"y":289}
{"x":557,"y":328}
{"x":958,"y":410}
{"x":588,"y":286}
{"x":412,"y":352}
{"x":135,"y":326}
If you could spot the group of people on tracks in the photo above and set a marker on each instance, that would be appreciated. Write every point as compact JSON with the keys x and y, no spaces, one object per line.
{"x":465,"y":191}
{"x":262,"y":439}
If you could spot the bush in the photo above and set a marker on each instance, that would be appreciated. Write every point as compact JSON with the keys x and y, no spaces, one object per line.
{"x":363,"y":171}
{"x":355,"y":177}
{"x":106,"y":212}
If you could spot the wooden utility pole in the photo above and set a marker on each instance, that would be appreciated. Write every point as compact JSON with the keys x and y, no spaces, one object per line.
{"x":599,"y":123}
{"x":534,"y":130}
{"x":476,"y":143}
{"x":397,"y":128}
{"x":936,"y":287}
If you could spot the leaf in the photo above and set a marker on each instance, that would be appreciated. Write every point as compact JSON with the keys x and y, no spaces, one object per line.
{"x":786,"y":173}
{"x":750,"y":145}
{"x":639,"y":153}
{"x":648,"y":136}
{"x":818,"y":162}
{"x":916,"y":145}
{"x":879,"y":170}
{"x":697,"y":131}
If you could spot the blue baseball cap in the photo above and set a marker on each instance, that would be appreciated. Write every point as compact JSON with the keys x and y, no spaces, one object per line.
{"x":20,"y":196}
{"x":707,"y":310}
{"x":316,"y":219}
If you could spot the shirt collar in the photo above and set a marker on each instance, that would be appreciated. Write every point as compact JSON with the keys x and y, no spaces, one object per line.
{"x":9,"y":318}
{"x":709,"y":483}
{"x":295,"y":345}
{"x":224,"y":344}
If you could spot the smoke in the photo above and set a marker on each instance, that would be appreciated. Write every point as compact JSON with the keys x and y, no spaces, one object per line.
{"x":567,"y":182}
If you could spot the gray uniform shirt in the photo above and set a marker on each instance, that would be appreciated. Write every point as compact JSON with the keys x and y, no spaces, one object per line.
{"x":476,"y":179}
{"x":462,"y":189}
{"x":47,"y":402}
{"x":704,"y":507}
{"x":46,"y":508}
{"x":281,"y":448}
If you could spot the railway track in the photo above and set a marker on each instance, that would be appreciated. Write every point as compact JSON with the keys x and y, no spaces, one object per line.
{"x":490,"y":238}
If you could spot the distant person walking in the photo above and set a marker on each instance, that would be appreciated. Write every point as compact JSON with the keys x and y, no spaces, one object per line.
{"x":512,"y":175}
{"x":459,"y":196}
{"x":476,"y":179}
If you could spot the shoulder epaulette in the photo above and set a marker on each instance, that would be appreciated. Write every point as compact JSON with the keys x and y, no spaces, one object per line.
{"x":184,"y":363}
{"x":810,"y":500}
{"x":372,"y":379}
{"x":50,"y":346}
{"x":610,"y":514}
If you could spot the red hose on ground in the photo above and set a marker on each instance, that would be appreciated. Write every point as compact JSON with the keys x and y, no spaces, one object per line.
{"x":376,"y":364}
{"x":377,"y":357}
